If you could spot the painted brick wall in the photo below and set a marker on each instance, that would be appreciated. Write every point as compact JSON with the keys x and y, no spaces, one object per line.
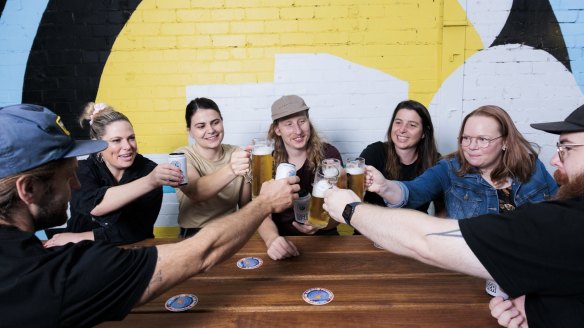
{"x":351,"y":60}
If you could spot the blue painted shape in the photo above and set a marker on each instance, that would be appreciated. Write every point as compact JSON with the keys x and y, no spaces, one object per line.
{"x":18,"y":27}
{"x":168,"y":190}
{"x":570,"y":16}
{"x":41,"y":235}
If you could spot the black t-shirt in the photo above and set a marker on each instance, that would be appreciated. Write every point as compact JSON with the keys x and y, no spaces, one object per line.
{"x":536,"y":250}
{"x":133,"y":222}
{"x":77,"y":285}
{"x":376,"y":155}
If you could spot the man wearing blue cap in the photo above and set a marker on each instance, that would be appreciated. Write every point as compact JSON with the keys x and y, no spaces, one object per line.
{"x":534,"y":253}
{"x":81,"y":285}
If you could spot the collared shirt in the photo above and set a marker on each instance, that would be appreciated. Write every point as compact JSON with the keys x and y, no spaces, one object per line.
{"x":129,"y":224}
{"x":471,"y":195}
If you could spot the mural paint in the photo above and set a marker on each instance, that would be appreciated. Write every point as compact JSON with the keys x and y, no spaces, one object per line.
{"x":351,"y":61}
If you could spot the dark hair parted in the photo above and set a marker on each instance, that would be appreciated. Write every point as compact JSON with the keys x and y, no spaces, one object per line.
{"x":314,"y":145}
{"x":200,"y":103}
{"x":518,"y":160}
{"x":100,"y":116}
{"x":425,"y":149}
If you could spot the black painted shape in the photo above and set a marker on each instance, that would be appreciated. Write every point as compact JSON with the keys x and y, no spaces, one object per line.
{"x":69,"y":53}
{"x":2,"y":5}
{"x":533,"y":23}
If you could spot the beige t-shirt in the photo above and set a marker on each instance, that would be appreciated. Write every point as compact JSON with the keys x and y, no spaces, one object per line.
{"x":197,"y":215}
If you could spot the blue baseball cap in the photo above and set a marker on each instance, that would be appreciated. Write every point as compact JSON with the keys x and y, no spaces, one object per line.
{"x":32,"y":135}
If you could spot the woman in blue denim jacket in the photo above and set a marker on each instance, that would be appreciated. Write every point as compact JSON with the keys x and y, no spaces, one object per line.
{"x":494,"y":170}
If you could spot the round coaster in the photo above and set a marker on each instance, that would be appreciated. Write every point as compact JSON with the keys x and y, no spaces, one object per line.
{"x":182,"y":302}
{"x":249,"y":263}
{"x":318,"y":296}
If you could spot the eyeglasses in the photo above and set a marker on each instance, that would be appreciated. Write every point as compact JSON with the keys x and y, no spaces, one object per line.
{"x":482,"y":142}
{"x":564,"y":148}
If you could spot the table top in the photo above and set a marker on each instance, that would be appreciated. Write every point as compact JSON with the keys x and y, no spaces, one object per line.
{"x":371,"y":287}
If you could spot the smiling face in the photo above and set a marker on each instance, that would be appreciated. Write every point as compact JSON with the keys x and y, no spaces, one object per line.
{"x":122,"y":148}
{"x":485,"y":159}
{"x":294,"y":131}
{"x":206,"y":127}
{"x":406,"y":129}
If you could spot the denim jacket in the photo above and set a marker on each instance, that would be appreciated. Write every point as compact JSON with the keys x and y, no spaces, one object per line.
{"x":470,"y":195}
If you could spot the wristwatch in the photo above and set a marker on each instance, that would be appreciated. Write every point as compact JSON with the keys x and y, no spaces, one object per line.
{"x":348,"y":211}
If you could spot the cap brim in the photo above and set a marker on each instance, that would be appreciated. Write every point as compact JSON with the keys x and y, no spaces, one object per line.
{"x":558,"y":127}
{"x":85,"y":147}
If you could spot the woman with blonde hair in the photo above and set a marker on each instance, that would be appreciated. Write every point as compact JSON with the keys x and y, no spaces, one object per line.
{"x":494,"y":170}
{"x":121,"y":190}
{"x":296,"y":141}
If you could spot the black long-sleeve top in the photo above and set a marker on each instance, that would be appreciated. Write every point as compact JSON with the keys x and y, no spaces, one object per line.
{"x":129,"y":224}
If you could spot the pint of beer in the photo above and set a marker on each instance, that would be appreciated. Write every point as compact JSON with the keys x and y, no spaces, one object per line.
{"x":261,"y":164}
{"x":329,"y":166}
{"x":317,"y":216}
{"x":356,"y":176}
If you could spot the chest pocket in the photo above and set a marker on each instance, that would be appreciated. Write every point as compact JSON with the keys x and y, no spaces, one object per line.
{"x":463,"y":201}
{"x":535,"y":194}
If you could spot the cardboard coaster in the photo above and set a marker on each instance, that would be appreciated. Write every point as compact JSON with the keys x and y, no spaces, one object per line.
{"x":249,"y":263}
{"x":182,"y":302}
{"x":318,"y":296}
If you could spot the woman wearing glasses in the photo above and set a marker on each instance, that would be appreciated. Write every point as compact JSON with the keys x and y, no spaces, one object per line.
{"x":494,"y":170}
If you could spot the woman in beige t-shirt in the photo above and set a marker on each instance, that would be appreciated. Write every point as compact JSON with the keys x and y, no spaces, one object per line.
{"x":216,"y":171}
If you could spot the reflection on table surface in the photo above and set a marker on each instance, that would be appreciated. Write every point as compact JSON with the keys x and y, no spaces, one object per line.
{"x":372,"y":288}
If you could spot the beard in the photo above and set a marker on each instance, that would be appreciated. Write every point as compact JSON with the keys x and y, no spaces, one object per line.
{"x":52,"y":212}
{"x":569,"y":188}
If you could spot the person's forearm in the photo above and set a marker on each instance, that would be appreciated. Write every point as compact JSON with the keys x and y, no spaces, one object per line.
{"x":203,"y":188}
{"x":417,"y":235}
{"x":268,"y":230}
{"x":391,"y":192}
{"x":213,"y":244}
{"x":119,"y":196}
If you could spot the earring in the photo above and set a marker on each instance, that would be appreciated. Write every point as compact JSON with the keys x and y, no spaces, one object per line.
{"x":100,"y":157}
{"x":504,"y":148}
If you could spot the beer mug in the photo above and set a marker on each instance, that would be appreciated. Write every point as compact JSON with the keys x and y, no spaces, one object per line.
{"x":332,"y":166}
{"x":317,"y":216}
{"x":356,"y":175}
{"x":261,"y":164}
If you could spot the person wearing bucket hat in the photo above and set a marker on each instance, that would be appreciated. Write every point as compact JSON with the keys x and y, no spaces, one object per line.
{"x":534,"y":253}
{"x":84,"y":284}
{"x":296,"y":141}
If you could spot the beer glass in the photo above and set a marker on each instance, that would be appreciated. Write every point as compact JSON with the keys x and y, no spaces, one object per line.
{"x":261,"y":164}
{"x":356,"y":175}
{"x":328,"y":164}
{"x":317,"y":216}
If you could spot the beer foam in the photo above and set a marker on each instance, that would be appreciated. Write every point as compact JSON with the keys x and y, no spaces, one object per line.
{"x":330,"y":172}
{"x":320,"y":188}
{"x":355,"y":170}
{"x":262,"y":150}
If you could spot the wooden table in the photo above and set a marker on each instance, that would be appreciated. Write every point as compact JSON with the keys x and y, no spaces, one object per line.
{"x":372,"y":288}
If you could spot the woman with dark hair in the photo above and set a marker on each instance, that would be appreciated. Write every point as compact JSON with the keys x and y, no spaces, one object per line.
{"x":296,"y":141}
{"x":410,"y":148}
{"x":215,"y":170}
{"x":121,"y":190}
{"x":494,"y":170}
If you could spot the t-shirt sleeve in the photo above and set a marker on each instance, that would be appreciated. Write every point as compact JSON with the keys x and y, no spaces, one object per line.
{"x":532,"y":250}
{"x":103,"y":282}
